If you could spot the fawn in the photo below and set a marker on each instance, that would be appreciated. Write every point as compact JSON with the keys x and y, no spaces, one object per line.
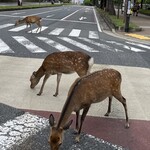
{"x":30,"y":20}
{"x":61,"y":62}
{"x":92,"y":88}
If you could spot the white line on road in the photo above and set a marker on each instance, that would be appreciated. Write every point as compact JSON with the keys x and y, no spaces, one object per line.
{"x":42,"y":29}
{"x":104,"y":46}
{"x":78,"y":44}
{"x":70,"y":15}
{"x":18,"y":28}
{"x":28,"y":44}
{"x":54,"y":44}
{"x":4,"y":48}
{"x":98,"y":25}
{"x":126,"y":46}
{"x":75,"y":33}
{"x":17,"y":130}
{"x":56,"y":31}
{"x":93,"y":35}
{"x":140,"y":45}
{"x":6,"y":25}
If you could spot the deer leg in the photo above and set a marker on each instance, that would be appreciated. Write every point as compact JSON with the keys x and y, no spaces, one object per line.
{"x":85,"y":111}
{"x":39,"y":27}
{"x":58,"y":81}
{"x":123,"y":101}
{"x":44,"y":81}
{"x":109,"y":106}
{"x":77,"y":121}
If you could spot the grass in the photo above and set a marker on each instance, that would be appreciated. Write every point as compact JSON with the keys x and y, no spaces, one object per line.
{"x":3,"y":8}
{"x":118,"y":23}
{"x":145,"y":12}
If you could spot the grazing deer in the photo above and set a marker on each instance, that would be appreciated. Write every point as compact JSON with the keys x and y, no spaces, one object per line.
{"x":61,"y":62}
{"x":30,"y":20}
{"x":92,"y":88}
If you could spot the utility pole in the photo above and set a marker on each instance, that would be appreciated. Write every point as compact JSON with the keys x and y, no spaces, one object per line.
{"x":127,"y":14}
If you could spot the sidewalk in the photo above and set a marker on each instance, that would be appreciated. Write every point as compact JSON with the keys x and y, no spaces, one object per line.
{"x":16,"y":92}
{"x":143,"y":22}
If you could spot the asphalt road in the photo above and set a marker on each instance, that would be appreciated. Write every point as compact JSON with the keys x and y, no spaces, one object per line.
{"x":68,"y":28}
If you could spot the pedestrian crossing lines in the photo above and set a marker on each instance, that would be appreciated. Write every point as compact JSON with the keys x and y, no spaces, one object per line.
{"x":55,"y":31}
{"x":70,"y":44}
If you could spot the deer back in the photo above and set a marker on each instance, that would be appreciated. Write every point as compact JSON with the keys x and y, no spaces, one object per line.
{"x":94,"y":87}
{"x":67,"y":62}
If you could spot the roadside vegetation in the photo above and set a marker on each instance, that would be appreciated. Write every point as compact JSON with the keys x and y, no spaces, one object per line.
{"x":40,"y":5}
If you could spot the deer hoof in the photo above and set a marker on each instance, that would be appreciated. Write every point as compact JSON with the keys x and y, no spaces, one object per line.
{"x":39,"y":94}
{"x":107,"y":114}
{"x":127,"y":125}
{"x":55,"y":95}
{"x":77,"y":139}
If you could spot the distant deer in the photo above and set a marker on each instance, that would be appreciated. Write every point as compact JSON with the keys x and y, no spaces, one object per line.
{"x":61,"y":62}
{"x":92,"y":88}
{"x":30,"y":20}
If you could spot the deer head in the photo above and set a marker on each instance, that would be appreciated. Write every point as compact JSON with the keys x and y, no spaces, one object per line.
{"x":56,"y":133}
{"x":34,"y":80}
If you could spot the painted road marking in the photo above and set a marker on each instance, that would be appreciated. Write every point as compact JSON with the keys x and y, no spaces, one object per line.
{"x":42,"y":29}
{"x":139,"y":36}
{"x":93,"y":35}
{"x":78,"y":44}
{"x":75,"y":33}
{"x":19,"y":129}
{"x":54,"y":44}
{"x":126,"y":46}
{"x":104,"y":46}
{"x":140,"y":45}
{"x":4,"y":48}
{"x":56,"y":31}
{"x":18,"y":28}
{"x":28,"y":44}
{"x":6,"y":25}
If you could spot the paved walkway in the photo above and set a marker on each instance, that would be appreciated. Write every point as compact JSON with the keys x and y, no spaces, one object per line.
{"x":16,"y":92}
{"x":143,"y":22}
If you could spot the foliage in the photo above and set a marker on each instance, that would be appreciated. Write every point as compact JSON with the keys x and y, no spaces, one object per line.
{"x":2,"y":8}
{"x":146,"y":12}
{"x":87,"y":2}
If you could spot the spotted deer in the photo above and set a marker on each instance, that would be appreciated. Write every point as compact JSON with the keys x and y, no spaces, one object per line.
{"x":30,"y":20}
{"x":59,"y":63}
{"x":92,"y":88}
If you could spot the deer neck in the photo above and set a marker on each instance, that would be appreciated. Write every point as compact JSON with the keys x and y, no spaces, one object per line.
{"x":66,"y":112}
{"x":69,"y":107}
{"x":40,"y":72}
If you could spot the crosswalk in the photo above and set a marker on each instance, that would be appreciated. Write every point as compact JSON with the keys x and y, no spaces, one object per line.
{"x":73,"y":41}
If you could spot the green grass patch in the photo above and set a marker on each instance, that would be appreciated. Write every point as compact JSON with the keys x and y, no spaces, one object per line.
{"x":3,"y":8}
{"x":145,"y":12}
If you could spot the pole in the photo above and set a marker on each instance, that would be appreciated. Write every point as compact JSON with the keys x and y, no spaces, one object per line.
{"x":127,"y":15}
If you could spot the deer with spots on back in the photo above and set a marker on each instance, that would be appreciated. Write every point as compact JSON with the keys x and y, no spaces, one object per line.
{"x":59,"y":63}
{"x":92,"y":88}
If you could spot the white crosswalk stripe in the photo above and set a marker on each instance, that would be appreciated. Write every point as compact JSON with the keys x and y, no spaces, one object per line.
{"x":104,"y":46}
{"x":16,"y":29}
{"x":56,"y":31}
{"x":93,"y":35}
{"x":4,"y":48}
{"x":78,"y":44}
{"x":75,"y":33}
{"x":6,"y":25}
{"x":42,"y":29}
{"x":28,"y":44}
{"x":54,"y":44}
{"x":19,"y":129}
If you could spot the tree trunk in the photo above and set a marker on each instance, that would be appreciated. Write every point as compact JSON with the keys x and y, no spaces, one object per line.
{"x":110,"y":7}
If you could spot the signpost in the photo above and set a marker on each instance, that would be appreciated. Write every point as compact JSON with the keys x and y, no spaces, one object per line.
{"x":127,"y":14}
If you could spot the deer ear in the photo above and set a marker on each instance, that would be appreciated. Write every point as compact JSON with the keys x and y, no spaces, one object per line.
{"x":51,"y":120}
{"x":67,"y":126}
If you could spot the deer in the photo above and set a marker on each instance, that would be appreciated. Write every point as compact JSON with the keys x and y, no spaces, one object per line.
{"x":85,"y":91}
{"x":61,"y":63}
{"x":30,"y":20}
